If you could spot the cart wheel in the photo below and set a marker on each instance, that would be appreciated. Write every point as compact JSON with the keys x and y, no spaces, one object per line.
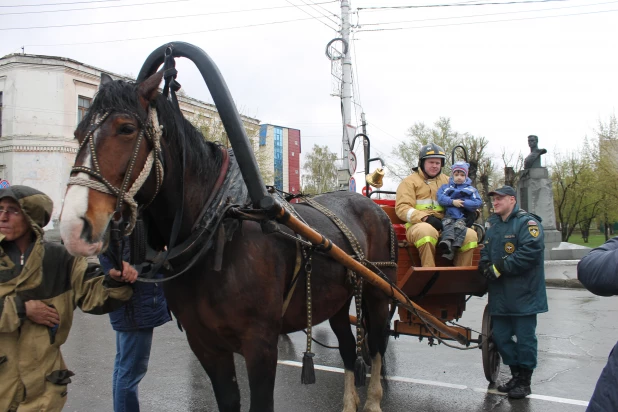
{"x":491,"y":357}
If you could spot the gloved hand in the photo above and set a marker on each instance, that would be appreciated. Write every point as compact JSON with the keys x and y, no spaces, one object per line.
{"x":435,"y":222}
{"x":483,"y":265}
{"x":470,"y":218}
{"x":491,"y":272}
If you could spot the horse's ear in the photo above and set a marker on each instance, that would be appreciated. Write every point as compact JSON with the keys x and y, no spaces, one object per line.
{"x":105,"y":78}
{"x":149,"y":88}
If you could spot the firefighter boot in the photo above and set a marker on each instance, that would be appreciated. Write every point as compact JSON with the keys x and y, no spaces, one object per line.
{"x":506,"y":387}
{"x":522,"y":387}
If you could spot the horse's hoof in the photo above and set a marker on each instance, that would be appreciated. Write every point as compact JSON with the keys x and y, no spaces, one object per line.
{"x":373,"y":407}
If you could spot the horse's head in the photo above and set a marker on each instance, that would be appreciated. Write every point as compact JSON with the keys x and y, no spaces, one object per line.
{"x":118,"y":154}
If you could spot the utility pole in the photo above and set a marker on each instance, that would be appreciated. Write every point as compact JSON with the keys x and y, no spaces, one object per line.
{"x":346,"y":97}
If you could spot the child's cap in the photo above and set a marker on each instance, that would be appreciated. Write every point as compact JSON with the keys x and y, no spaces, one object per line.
{"x":461,"y":166}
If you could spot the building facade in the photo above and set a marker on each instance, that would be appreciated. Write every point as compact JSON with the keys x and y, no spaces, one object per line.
{"x":279,"y":147}
{"x":42,"y":99}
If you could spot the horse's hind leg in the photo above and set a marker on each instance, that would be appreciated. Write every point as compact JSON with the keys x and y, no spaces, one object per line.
{"x":222,"y":373}
{"x":340,"y":323}
{"x":377,"y":317}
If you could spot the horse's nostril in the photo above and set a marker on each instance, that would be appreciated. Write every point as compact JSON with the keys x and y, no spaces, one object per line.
{"x":86,"y":231}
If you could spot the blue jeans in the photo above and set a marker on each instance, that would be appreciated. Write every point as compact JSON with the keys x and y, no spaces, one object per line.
{"x":130,"y":366}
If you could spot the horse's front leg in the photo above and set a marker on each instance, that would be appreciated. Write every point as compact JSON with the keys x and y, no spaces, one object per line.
{"x":260,"y":352}
{"x":222,"y":373}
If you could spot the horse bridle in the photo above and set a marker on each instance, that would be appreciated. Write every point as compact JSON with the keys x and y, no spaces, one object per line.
{"x":152,"y":131}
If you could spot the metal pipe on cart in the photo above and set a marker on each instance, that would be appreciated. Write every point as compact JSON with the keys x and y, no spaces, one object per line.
{"x":340,"y":256}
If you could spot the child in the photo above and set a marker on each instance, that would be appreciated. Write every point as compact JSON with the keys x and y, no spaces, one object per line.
{"x":461,"y":200}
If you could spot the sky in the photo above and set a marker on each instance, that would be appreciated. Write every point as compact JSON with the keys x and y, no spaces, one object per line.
{"x":502,"y":71}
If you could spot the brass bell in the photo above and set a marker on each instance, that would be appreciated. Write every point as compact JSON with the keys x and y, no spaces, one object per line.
{"x":375,"y":179}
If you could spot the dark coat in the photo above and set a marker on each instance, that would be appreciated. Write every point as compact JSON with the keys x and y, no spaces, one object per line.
{"x":147,"y":308}
{"x":464,"y":191}
{"x":598,"y":272}
{"x":516,"y":247}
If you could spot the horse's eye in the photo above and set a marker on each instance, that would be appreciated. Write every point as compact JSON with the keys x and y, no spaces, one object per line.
{"x":127,"y":129}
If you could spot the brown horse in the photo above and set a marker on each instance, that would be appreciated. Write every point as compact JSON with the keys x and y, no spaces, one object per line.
{"x":237,"y":309}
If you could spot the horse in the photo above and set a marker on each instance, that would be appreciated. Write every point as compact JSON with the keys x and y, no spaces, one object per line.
{"x":231,"y":303}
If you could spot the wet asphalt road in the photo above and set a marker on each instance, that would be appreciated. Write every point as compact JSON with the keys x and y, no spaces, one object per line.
{"x":575,"y":338}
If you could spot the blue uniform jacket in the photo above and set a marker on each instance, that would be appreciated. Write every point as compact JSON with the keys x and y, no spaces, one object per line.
{"x":465,"y":191}
{"x":516,"y":247}
{"x":598,"y":272}
{"x":146,"y":309}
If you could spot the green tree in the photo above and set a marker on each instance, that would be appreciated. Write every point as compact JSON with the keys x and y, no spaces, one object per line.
{"x":607,"y":171}
{"x":320,"y":167}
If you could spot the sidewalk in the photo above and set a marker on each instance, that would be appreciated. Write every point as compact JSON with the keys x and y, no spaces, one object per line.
{"x":562,"y":273}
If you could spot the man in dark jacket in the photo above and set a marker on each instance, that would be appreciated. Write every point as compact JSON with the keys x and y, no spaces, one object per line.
{"x":512,"y":260}
{"x":134,"y":325}
{"x":598,"y":272}
{"x":40,"y":287}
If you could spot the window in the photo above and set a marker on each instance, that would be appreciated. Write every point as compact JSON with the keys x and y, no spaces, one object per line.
{"x":0,"y":114}
{"x":296,"y":171}
{"x":263,"y":132}
{"x":296,"y":142}
{"x":292,"y":154}
{"x":83,"y":104}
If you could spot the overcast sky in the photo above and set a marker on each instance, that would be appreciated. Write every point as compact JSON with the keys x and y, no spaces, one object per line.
{"x":500,"y":71}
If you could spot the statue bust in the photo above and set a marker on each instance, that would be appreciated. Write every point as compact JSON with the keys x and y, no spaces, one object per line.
{"x":533,"y":160}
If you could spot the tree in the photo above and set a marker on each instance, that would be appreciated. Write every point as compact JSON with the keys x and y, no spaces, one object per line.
{"x":213,"y":131}
{"x":607,"y":171}
{"x":320,"y":171}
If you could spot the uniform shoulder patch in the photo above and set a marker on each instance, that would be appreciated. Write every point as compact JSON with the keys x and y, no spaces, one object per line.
{"x":532,"y":223}
{"x":534,"y":231}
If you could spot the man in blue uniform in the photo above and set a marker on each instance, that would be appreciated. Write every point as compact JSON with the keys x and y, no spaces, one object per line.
{"x":598,"y":272}
{"x":512,"y":260}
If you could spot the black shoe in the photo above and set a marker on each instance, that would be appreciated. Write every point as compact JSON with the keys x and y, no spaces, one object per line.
{"x":445,"y":246}
{"x":506,"y":387}
{"x":522,"y":386}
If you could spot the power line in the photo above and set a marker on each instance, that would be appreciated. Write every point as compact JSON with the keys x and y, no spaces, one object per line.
{"x":60,"y":4}
{"x":167,"y":35}
{"x":90,"y":8}
{"x":488,"y":14}
{"x":489,"y":21}
{"x":142,"y":19}
{"x":322,"y":13}
{"x":424,"y":6}
{"x":312,"y":16}
{"x":129,"y":5}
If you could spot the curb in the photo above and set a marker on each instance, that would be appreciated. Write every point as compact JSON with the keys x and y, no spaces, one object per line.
{"x":564,"y":283}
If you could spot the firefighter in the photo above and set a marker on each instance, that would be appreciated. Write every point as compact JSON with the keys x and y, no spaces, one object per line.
{"x":513,"y":262}
{"x":417,"y":205}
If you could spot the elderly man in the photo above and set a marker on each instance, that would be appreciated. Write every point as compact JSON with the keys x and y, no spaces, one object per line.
{"x":417,"y":205}
{"x":40,"y":286}
{"x":512,"y":260}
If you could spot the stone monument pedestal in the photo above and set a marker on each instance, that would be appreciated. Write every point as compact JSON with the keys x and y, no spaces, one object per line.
{"x":535,"y":195}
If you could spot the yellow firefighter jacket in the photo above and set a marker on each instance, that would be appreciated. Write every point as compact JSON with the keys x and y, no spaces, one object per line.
{"x":30,"y":359}
{"x":417,"y":197}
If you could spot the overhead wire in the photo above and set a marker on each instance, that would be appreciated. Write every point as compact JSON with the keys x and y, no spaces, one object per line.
{"x":148,"y":19}
{"x":92,"y":8}
{"x":60,"y":4}
{"x":425,"y":6}
{"x":490,"y":14}
{"x":169,"y":34}
{"x":321,"y":13}
{"x":490,"y":21}
{"x":312,"y":16}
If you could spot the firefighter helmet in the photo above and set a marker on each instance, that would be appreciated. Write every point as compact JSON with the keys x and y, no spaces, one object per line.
{"x":431,"y":150}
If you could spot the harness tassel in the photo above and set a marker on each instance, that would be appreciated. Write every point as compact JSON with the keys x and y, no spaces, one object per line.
{"x":307,"y":376}
{"x":360,"y":367}
{"x":360,"y":372}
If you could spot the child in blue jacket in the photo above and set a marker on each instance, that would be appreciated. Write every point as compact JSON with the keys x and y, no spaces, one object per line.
{"x":461,"y":200}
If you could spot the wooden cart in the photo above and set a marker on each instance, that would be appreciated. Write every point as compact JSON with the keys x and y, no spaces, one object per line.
{"x":442,"y":291}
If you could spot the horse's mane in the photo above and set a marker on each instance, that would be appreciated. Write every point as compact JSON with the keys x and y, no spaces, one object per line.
{"x":203,"y":156}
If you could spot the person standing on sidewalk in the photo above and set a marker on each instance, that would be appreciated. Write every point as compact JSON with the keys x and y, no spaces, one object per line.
{"x":598,"y":272}
{"x":513,"y":262}
{"x":134,"y":325}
